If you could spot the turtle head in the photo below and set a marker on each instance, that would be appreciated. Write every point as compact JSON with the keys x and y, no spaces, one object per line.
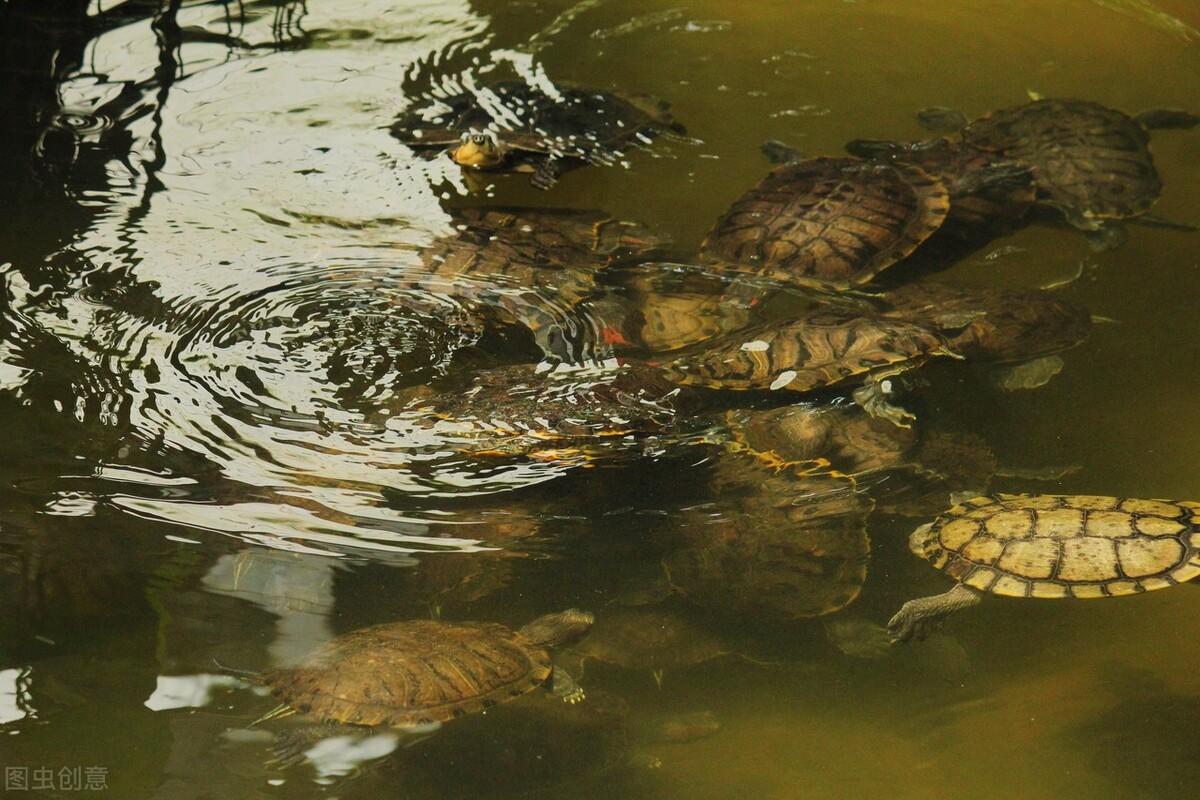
{"x":478,"y":150}
{"x":558,"y":629}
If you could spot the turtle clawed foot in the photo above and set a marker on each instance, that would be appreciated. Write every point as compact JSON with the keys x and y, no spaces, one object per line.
{"x":910,"y":623}
{"x":574,"y":696}
{"x":288,"y":751}
{"x":874,"y":399}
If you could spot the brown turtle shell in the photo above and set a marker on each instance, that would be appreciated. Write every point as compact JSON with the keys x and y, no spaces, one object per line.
{"x":993,"y":323}
{"x":1064,"y":545}
{"x":788,"y":543}
{"x":820,"y":349}
{"x":405,"y":674}
{"x":1091,"y":162}
{"x":831,"y":222}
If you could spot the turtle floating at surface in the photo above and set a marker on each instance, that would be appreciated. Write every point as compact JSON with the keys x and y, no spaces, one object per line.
{"x":1089,"y":162}
{"x":513,"y":126}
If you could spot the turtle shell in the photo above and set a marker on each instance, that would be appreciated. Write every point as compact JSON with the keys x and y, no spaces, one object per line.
{"x":570,"y":122}
{"x":405,"y":674}
{"x":787,"y":543}
{"x":830,"y":222}
{"x":993,"y":323}
{"x":820,"y":349}
{"x":1091,"y":162}
{"x":1064,"y":545}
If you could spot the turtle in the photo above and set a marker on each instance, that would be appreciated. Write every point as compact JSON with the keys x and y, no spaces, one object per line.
{"x":832,"y":223}
{"x":1052,"y":546}
{"x":515,"y":126}
{"x":647,"y":638}
{"x":787,"y":543}
{"x":996,"y":324}
{"x":414,"y":675}
{"x":530,"y":267}
{"x":821,"y":348}
{"x":1090,"y":162}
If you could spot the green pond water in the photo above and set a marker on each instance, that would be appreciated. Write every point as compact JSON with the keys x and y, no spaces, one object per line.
{"x":208,"y":244}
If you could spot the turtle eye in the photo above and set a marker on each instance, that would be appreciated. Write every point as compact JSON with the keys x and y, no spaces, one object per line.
{"x":479,"y":139}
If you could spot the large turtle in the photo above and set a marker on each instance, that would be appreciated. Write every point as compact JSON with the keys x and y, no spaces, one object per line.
{"x":1052,"y":546}
{"x":515,"y":126}
{"x":415,"y":675}
{"x":1088,"y":161}
{"x":822,"y":348}
{"x":828,"y":222}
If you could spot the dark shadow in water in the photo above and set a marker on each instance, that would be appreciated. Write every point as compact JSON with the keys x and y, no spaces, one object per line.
{"x":1145,"y":743}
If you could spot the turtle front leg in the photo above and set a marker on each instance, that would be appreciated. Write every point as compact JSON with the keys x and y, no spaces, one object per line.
{"x":917,"y":617}
{"x":873,"y":397}
{"x":546,"y":174}
{"x":565,"y":687}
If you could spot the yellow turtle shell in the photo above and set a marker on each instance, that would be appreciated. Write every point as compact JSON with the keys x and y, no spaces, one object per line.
{"x":1064,"y":545}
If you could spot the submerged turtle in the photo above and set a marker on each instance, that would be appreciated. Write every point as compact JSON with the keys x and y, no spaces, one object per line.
{"x":1089,"y":161}
{"x":828,"y":222}
{"x":820,"y":349}
{"x":788,"y":543}
{"x":414,"y":675}
{"x":993,"y":323}
{"x":514,"y":126}
{"x":1052,"y":546}
{"x":529,"y":267}
{"x":653,"y":639}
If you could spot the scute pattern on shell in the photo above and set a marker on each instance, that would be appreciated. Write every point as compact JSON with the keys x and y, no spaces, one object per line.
{"x":820,"y":349}
{"x":1090,"y":161}
{"x":412,"y":673}
{"x":1064,"y":545}
{"x":835,"y":222}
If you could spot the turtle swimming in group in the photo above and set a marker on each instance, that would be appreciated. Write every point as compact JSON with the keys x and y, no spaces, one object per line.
{"x":1021,"y":331}
{"x":823,"y":348}
{"x":832,"y":223}
{"x":515,"y":126}
{"x":1052,"y":546}
{"x":1090,"y":162}
{"x":414,"y":675}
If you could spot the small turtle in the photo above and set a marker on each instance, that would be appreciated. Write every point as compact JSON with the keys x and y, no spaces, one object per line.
{"x":513,"y":126}
{"x":821,"y":349}
{"x":992,"y":323}
{"x":828,"y":222}
{"x":414,"y":675}
{"x":1052,"y":546}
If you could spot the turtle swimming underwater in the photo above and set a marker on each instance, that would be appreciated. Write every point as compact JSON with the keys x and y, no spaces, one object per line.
{"x":514,"y":126}
{"x":832,"y":223}
{"x":1052,"y":546}
{"x":993,"y":323}
{"x":1090,"y":162}
{"x":414,"y":675}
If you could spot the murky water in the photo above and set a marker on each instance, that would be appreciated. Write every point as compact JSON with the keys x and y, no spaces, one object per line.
{"x":219,"y":294}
